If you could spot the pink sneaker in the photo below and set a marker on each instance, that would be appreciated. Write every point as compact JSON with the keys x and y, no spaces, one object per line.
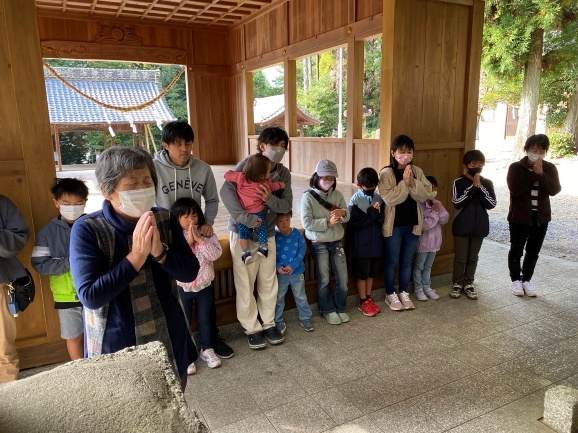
{"x":393,"y":302}
{"x":406,"y":301}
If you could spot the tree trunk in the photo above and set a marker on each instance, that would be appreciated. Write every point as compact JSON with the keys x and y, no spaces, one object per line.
{"x":528,"y":112}
{"x":571,"y":122}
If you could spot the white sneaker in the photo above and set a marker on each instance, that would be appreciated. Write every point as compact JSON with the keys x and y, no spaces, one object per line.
{"x":517,"y":288}
{"x":211,"y":358}
{"x":530,"y":289}
{"x":192,"y":369}
{"x":393,"y":302}
{"x":419,"y":294}
{"x":344,"y":317}
{"x":406,"y":301}
{"x":431,"y":293}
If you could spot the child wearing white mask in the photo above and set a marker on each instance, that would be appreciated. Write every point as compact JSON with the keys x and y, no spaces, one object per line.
{"x":323,"y":212}
{"x":531,"y":182}
{"x":51,"y":257}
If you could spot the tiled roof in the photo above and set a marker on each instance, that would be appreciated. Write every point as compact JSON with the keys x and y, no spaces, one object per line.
{"x":270,"y":107}
{"x":120,"y":87}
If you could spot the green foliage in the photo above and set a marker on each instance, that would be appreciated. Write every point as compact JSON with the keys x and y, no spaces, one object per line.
{"x":561,"y":144}
{"x":317,"y":92}
{"x":506,"y":40}
{"x":371,"y":87}
{"x":262,"y":87}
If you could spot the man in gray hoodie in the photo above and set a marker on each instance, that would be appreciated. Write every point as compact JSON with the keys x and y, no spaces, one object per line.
{"x":272,"y":143}
{"x":181,"y":175}
{"x":13,"y":237}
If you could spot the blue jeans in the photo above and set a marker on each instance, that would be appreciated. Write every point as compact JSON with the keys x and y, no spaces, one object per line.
{"x":330,"y":255}
{"x":422,"y":269}
{"x":399,"y":249}
{"x":297,"y":283}
{"x":206,"y":313}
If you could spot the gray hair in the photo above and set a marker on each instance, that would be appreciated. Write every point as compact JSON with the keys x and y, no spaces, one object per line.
{"x":116,"y":162}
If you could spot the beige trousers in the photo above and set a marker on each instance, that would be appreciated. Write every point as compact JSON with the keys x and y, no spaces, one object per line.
{"x":263,"y":270}
{"x":8,"y":354}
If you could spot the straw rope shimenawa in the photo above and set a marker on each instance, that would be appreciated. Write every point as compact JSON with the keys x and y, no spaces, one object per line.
{"x":145,"y":104}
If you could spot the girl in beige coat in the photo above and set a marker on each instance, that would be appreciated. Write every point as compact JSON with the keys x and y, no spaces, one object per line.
{"x":403,"y":187}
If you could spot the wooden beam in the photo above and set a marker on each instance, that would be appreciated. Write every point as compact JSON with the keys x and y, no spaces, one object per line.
{"x":361,"y":29}
{"x":120,"y":8}
{"x":58,"y":149}
{"x":355,"y":61}
{"x":206,"y":8}
{"x":274,"y":4}
{"x":386,"y":90}
{"x":175,"y":10}
{"x":473,"y":74}
{"x":192,"y":106}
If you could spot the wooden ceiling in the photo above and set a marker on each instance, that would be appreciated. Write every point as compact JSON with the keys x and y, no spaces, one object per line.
{"x":209,"y":12}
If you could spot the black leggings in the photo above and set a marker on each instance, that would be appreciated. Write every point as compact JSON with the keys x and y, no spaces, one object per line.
{"x":531,"y":237}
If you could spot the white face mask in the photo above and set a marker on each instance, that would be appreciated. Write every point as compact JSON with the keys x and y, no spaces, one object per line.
{"x":136,"y":202}
{"x":325,"y":185}
{"x":274,"y":153}
{"x":533,"y":157}
{"x":71,"y":212}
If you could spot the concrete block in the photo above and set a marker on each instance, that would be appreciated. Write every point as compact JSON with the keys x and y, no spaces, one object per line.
{"x":561,"y":409}
{"x":134,"y":390}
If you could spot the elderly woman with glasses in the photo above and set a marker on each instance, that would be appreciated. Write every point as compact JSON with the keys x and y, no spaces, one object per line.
{"x":124,"y":260}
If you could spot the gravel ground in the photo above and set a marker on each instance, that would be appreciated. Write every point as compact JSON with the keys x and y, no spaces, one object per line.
{"x":562,"y":237}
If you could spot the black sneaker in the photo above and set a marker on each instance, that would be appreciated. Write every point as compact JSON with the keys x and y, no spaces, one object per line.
{"x":222,"y":349}
{"x":247,"y":257}
{"x":256,"y":341}
{"x":262,"y":251}
{"x":281,"y":327}
{"x":471,"y":292}
{"x":273,"y":336}
{"x":456,"y":291}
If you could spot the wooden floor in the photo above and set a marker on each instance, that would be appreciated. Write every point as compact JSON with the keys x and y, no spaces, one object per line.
{"x":299,"y":185}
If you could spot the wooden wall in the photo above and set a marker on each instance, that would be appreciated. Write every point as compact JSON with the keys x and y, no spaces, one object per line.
{"x":205,"y":51}
{"x":26,"y":164}
{"x":430,"y":72}
{"x":435,"y":85}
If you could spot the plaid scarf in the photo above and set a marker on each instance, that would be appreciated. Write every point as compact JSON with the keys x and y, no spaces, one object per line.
{"x":149,"y":318}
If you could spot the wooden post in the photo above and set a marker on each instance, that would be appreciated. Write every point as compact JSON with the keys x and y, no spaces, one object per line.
{"x":192,"y":106}
{"x":248,"y":104}
{"x":473,"y":75}
{"x":57,"y":146}
{"x":290,"y":84}
{"x":386,"y":93}
{"x":355,"y":63}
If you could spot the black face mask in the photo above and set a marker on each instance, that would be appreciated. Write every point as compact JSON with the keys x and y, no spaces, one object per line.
{"x":473,"y":171}
{"x":368,"y":191}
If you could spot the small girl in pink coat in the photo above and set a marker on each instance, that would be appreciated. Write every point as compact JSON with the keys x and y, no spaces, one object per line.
{"x":430,"y":242}
{"x":253,"y":187}
{"x":199,"y":292}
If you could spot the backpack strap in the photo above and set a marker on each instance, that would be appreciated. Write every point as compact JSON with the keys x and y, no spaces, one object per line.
{"x":329,"y":206}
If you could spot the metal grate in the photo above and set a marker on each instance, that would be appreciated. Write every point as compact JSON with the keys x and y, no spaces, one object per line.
{"x":211,"y":12}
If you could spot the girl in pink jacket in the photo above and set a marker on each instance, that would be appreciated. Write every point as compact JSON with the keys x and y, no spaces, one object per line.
{"x":254,"y":186}
{"x":199,"y":292}
{"x":430,"y":242}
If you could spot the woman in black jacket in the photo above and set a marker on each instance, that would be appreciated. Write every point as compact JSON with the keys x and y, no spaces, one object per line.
{"x":531,"y":182}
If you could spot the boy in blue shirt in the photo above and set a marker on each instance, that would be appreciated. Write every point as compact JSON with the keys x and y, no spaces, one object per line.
{"x":291,"y":250}
{"x":51,"y":257}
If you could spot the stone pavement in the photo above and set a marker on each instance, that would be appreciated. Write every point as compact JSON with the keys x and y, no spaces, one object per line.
{"x":451,"y":365}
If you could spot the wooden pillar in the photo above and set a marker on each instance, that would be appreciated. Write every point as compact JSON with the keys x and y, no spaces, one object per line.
{"x":192,"y":105}
{"x":290,"y":85}
{"x":473,"y":74}
{"x":27,"y":167}
{"x":355,"y":63}
{"x":57,"y":147}
{"x":248,"y":100}
{"x":386,"y":91}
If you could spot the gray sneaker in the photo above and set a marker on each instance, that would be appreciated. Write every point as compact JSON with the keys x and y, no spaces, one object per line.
{"x":419,"y":294}
{"x":307,"y":325}
{"x":471,"y":292}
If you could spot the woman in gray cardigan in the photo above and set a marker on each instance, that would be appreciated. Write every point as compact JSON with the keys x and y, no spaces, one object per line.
{"x":323,"y":212}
